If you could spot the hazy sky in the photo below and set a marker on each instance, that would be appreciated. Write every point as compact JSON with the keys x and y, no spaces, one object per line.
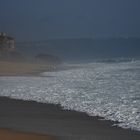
{"x":43,"y":19}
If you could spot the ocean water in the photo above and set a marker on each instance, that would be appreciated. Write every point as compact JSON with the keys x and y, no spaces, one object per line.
{"x":109,"y":90}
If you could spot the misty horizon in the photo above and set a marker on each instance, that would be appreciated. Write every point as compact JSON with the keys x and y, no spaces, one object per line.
{"x":53,"y":19}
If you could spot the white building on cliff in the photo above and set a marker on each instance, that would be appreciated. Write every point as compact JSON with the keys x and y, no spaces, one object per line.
{"x":7,"y":43}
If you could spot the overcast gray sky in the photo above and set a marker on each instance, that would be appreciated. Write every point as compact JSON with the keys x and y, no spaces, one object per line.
{"x":45,"y":19}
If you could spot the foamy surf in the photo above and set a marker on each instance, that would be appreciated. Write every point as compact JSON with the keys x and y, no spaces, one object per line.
{"x":109,"y":90}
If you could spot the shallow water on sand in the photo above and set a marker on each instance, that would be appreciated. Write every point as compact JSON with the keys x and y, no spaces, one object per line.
{"x":109,"y":90}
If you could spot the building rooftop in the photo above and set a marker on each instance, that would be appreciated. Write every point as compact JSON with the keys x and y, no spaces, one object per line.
{"x":4,"y":36}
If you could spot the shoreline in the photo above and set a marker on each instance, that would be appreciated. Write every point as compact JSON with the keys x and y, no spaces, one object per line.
{"x":49,"y":119}
{"x":9,"y":68}
{"x":30,"y":118}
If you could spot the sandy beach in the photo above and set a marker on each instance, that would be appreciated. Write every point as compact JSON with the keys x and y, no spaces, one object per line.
{"x":6,"y":134}
{"x":48,"y":119}
{"x":70,"y":70}
{"x":8,"y":68}
{"x":31,"y":120}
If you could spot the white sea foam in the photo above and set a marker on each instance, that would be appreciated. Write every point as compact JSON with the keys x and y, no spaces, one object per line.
{"x":99,"y":89}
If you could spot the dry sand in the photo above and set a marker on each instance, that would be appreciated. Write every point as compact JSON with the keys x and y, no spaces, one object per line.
{"x":22,"y":68}
{"x":6,"y":134}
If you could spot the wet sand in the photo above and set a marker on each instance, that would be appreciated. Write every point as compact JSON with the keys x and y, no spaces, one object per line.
{"x":48,"y":119}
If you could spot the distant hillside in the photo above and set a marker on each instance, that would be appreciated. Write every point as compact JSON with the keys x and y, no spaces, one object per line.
{"x":86,"y":49}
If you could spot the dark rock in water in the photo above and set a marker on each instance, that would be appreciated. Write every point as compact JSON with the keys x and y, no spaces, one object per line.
{"x":47,"y":58}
